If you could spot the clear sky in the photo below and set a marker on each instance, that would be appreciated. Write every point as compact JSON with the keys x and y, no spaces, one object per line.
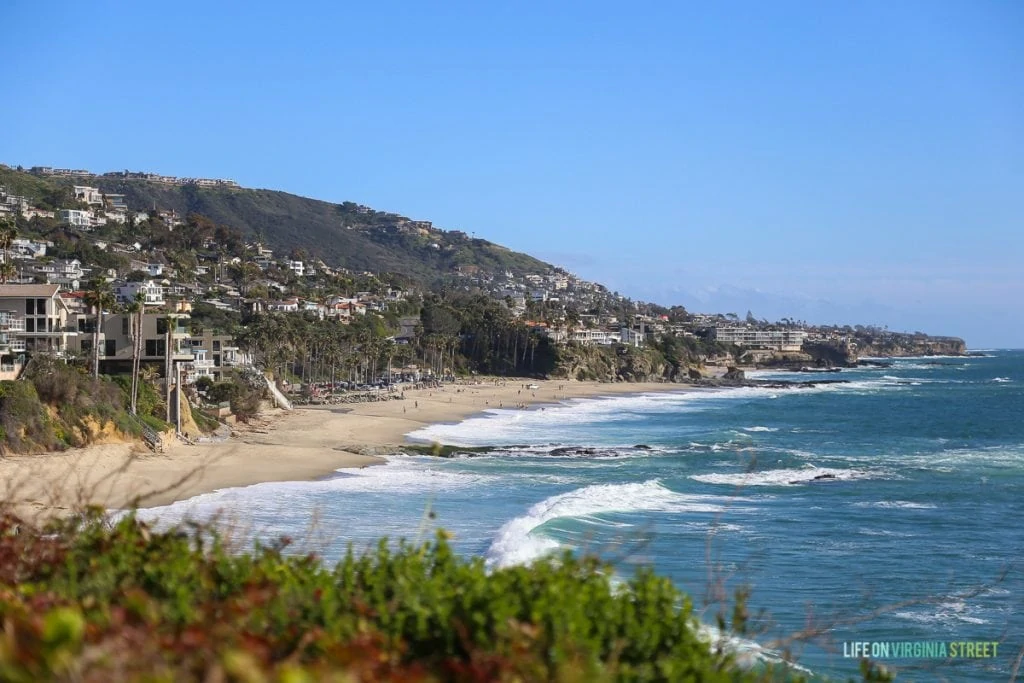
{"x":835,"y":161}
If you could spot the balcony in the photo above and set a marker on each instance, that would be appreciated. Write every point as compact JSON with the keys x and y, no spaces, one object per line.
{"x":12,"y":346}
{"x":12,"y":324}
{"x":55,"y":332}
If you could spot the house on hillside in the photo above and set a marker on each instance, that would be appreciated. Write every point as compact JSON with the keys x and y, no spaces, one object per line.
{"x":152,"y":292}
{"x":38,"y":316}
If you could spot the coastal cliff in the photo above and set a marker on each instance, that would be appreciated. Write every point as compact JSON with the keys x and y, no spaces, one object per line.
{"x":612,"y":364}
{"x":910,"y":345}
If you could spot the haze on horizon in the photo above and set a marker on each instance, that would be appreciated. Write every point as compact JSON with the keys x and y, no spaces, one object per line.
{"x":859,"y":163}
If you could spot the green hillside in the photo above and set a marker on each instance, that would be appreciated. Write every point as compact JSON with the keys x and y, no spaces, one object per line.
{"x":345,"y":235}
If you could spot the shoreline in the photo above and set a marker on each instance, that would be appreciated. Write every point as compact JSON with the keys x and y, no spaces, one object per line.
{"x":305,"y":444}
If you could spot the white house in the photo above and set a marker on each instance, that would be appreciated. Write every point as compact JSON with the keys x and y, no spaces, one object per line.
{"x":152,"y":292}
{"x":75,"y":218}
{"x":89,"y":195}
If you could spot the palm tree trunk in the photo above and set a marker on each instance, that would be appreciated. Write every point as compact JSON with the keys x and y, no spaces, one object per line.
{"x":167,"y":367}
{"x":96,"y":343}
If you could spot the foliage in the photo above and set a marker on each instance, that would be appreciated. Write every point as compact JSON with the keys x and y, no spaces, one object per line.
{"x":342,"y":234}
{"x":55,"y":406}
{"x":25,"y":423}
{"x":94,"y":602}
{"x":208,"y":316}
{"x":243,"y":397}
{"x":150,"y":403}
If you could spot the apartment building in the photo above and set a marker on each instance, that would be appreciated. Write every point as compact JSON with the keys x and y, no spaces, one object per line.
{"x":44,"y":325}
{"x":12,"y":344}
{"x":116,"y":343}
{"x":754,"y":338}
{"x":216,"y":354}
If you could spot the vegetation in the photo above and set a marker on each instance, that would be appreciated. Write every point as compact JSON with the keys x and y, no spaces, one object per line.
{"x":58,"y":406}
{"x":86,"y":600}
{"x":346,"y":235}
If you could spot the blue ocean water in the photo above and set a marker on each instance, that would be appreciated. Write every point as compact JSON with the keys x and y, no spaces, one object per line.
{"x":885,"y":508}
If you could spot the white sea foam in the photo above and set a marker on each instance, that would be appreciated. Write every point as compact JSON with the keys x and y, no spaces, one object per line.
{"x":883,"y":532}
{"x":783,"y":477}
{"x":561,"y":422}
{"x":759,"y":428}
{"x":951,"y":613}
{"x":399,"y":473}
{"x":953,"y":459}
{"x":1001,"y":379}
{"x":747,"y":653}
{"x":901,"y":504}
{"x":517,"y":543}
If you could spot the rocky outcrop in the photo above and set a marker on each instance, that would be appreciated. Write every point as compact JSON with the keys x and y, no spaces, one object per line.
{"x":615,"y":364}
{"x":734,"y":374}
{"x":896,"y":346}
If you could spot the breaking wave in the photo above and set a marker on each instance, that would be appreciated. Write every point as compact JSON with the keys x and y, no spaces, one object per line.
{"x":783,"y":477}
{"x":517,"y":542}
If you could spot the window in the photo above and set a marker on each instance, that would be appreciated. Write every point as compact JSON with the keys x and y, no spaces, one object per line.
{"x":161,"y":325}
{"x":216,"y":345}
{"x":110,"y":347}
{"x":30,"y":306}
{"x":86,"y":345}
{"x":41,"y":306}
{"x":216,"y":359}
{"x":155,"y":347}
{"x":30,"y":324}
{"x":125,"y":323}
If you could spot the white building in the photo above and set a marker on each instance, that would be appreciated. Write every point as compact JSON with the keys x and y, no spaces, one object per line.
{"x":152,"y":292}
{"x":297,"y":267}
{"x":75,"y":218}
{"x":90,"y":195}
{"x":753,"y":338}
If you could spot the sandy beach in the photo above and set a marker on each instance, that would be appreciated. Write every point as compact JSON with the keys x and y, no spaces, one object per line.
{"x":303,"y":444}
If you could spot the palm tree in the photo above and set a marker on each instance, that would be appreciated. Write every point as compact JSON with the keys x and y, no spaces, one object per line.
{"x":98,"y":296}
{"x":8,"y":233}
{"x":170,"y":322}
{"x":136,"y":310}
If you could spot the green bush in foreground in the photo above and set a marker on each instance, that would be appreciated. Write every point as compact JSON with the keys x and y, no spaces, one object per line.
{"x":90,"y":601}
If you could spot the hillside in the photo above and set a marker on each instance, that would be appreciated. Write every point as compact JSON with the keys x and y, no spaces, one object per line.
{"x":346,"y":235}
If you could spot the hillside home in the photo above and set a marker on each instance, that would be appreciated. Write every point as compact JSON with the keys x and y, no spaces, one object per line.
{"x":221,"y":350}
{"x":12,"y":344}
{"x":152,"y":292}
{"x":116,"y":202}
{"x":90,"y":195}
{"x":44,"y":317}
{"x":75,"y":218}
{"x":116,"y":344}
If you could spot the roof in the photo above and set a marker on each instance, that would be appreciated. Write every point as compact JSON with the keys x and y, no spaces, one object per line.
{"x":28,"y":290}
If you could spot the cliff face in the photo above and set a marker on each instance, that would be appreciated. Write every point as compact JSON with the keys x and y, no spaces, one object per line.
{"x":911,"y":346}
{"x":614,"y":364}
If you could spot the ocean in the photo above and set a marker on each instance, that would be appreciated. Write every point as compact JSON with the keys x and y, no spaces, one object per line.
{"x":887,"y":509}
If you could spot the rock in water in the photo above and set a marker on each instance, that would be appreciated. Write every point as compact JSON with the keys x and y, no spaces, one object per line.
{"x":734,"y":373}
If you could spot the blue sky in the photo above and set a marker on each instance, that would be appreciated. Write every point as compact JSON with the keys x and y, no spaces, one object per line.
{"x":841,"y":161}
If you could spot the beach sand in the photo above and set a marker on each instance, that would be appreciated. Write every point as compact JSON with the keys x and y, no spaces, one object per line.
{"x":303,"y":444}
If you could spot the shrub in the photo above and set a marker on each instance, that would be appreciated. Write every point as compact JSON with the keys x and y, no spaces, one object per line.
{"x":24,"y":420}
{"x":91,"y":601}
